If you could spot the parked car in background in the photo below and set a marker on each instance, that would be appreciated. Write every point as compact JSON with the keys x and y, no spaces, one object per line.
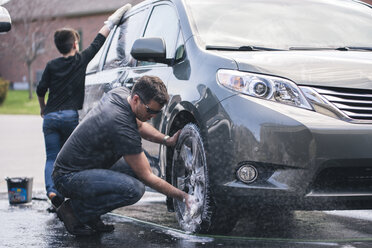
{"x":274,"y":99}
{"x":5,"y":20}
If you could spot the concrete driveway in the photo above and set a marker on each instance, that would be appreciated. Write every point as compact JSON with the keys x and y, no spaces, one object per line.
{"x":22,"y":152}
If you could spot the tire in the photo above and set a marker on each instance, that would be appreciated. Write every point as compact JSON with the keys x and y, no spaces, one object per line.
{"x":190,"y":174}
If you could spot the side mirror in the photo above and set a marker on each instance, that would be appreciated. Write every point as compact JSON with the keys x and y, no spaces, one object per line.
{"x":5,"y":21}
{"x":150,"y":49}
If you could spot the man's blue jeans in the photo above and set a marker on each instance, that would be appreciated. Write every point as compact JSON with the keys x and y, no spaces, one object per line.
{"x":57,"y":127}
{"x":98,"y":191}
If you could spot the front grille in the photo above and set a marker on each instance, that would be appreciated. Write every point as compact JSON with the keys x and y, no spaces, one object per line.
{"x":344,"y":180}
{"x":354,"y":103}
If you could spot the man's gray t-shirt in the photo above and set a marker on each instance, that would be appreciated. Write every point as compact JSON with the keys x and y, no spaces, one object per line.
{"x":108,"y":132}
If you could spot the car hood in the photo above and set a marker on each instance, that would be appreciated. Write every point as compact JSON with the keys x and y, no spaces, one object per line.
{"x":347,"y":69}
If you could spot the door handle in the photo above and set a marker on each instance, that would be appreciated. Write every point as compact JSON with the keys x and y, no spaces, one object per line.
{"x":116,"y":82}
{"x":128,"y":83}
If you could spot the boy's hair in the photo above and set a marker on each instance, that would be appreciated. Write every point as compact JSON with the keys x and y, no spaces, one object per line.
{"x":151,"y":88}
{"x":65,"y":38}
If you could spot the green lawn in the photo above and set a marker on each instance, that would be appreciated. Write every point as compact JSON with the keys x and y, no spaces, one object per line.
{"x":17,"y":102}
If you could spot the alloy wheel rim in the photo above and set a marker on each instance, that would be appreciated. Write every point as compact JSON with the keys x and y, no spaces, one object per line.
{"x":191,"y":178}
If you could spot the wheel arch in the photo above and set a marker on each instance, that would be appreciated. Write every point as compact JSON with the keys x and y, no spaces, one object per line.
{"x":180,"y":120}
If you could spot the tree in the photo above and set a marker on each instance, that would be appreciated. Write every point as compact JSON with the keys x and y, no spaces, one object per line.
{"x":30,"y":29}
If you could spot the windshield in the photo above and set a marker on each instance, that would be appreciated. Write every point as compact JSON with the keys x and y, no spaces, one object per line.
{"x":284,"y":24}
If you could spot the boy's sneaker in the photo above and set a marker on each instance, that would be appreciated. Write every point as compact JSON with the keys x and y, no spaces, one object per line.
{"x":57,"y":201}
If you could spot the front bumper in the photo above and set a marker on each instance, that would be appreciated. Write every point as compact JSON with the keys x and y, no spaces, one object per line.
{"x":303,"y":158}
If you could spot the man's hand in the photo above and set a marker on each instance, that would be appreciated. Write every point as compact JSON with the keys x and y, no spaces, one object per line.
{"x":172,"y":141}
{"x":114,"y":19}
{"x":192,"y":206}
{"x":188,"y":200}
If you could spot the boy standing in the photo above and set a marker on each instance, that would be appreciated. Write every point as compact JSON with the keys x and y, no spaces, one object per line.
{"x":64,"y":77}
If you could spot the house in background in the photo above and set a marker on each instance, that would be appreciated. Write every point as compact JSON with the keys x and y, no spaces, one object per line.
{"x":33,"y":26}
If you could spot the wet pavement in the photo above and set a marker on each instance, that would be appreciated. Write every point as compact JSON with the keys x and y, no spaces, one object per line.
{"x":147,"y":223}
{"x":295,"y":229}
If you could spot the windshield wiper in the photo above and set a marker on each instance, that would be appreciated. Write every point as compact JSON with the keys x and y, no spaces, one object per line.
{"x":241,"y":48}
{"x":345,"y":48}
{"x":348,"y":48}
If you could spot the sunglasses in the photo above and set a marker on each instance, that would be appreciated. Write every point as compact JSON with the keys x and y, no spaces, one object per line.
{"x":148,"y":109}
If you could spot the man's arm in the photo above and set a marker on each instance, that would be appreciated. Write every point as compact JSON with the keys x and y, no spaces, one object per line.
{"x":141,"y":167}
{"x":150,"y":133}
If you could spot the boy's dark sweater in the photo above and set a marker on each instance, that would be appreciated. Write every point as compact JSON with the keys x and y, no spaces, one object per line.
{"x":65,"y":79}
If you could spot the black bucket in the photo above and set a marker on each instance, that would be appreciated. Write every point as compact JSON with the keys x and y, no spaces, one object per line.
{"x":19,"y":189}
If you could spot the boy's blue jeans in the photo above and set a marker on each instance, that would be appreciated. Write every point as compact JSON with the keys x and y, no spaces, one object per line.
{"x":95,"y":192}
{"x":57,"y":127}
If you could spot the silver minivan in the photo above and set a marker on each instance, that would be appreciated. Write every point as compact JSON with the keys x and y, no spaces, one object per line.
{"x":274,"y":99}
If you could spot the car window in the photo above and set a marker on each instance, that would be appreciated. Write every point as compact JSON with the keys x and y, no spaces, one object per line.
{"x":124,"y":37}
{"x":163,"y":23}
{"x":93,"y":64}
{"x":113,"y":58}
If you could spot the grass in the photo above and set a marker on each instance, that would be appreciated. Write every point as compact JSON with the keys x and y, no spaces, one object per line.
{"x":17,"y":102}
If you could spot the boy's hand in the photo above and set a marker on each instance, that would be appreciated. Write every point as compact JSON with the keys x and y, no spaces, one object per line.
{"x":114,"y":19}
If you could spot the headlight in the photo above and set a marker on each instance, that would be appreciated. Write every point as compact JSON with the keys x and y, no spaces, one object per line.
{"x":266,"y":87}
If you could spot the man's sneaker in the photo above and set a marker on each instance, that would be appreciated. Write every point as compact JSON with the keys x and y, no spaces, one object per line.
{"x":98,"y":225}
{"x":72,"y":224}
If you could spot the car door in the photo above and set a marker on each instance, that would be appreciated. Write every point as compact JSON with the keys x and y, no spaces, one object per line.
{"x":163,"y":22}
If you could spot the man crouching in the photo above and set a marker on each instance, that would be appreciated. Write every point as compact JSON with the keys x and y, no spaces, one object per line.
{"x":102,"y":166}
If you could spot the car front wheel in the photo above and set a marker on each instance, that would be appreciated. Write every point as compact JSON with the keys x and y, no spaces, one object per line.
{"x":190,"y":174}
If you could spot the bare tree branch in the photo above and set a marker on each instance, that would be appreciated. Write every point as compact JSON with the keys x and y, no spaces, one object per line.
{"x":30,"y":31}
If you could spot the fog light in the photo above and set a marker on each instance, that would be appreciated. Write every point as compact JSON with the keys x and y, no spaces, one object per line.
{"x":247,"y":173}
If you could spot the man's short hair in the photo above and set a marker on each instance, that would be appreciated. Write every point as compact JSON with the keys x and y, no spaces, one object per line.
{"x":151,"y":88}
{"x":65,"y":38}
